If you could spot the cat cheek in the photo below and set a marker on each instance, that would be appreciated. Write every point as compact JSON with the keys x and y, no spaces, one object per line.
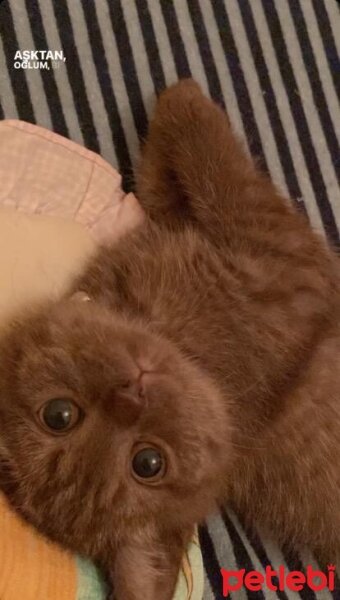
{"x":4,"y":452}
{"x":8,"y":477}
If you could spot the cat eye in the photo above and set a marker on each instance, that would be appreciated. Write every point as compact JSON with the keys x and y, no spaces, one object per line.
{"x":148,"y":464}
{"x":59,"y":415}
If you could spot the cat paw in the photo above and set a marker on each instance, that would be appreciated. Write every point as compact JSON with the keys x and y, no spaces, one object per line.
{"x":183,"y":93}
{"x":184,"y":88}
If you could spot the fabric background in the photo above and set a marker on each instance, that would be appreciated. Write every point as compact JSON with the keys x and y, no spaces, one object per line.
{"x":274,"y":65}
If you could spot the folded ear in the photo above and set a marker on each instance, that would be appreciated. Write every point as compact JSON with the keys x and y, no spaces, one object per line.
{"x":148,"y":568}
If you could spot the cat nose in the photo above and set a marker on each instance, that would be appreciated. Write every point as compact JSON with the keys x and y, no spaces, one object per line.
{"x":129,"y":401}
{"x":135,"y":388}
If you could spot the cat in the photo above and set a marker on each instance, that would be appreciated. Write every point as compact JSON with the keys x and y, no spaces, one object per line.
{"x":203,"y":369}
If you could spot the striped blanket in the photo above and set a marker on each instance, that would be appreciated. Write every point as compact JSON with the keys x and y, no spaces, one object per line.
{"x":274,"y":65}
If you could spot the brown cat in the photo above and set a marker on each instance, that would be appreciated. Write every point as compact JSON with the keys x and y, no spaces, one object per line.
{"x":204,"y":369}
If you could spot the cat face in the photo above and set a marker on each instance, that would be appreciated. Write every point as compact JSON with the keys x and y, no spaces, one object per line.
{"x":105,"y":428}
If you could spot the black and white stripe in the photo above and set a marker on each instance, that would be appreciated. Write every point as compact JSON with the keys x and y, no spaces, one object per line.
{"x":265,"y":83}
{"x":150,"y":44}
{"x":50,"y":87}
{"x":107,"y":91}
{"x":274,"y":65}
{"x":16,"y":79}
{"x":75,"y":75}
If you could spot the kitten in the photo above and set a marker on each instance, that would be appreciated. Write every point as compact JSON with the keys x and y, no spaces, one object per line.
{"x":203,"y":369}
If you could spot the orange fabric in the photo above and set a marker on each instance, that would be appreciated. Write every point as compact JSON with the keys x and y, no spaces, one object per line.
{"x":31,"y":567}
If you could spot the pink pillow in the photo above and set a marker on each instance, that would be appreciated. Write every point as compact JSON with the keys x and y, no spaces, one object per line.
{"x":42,"y":172}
